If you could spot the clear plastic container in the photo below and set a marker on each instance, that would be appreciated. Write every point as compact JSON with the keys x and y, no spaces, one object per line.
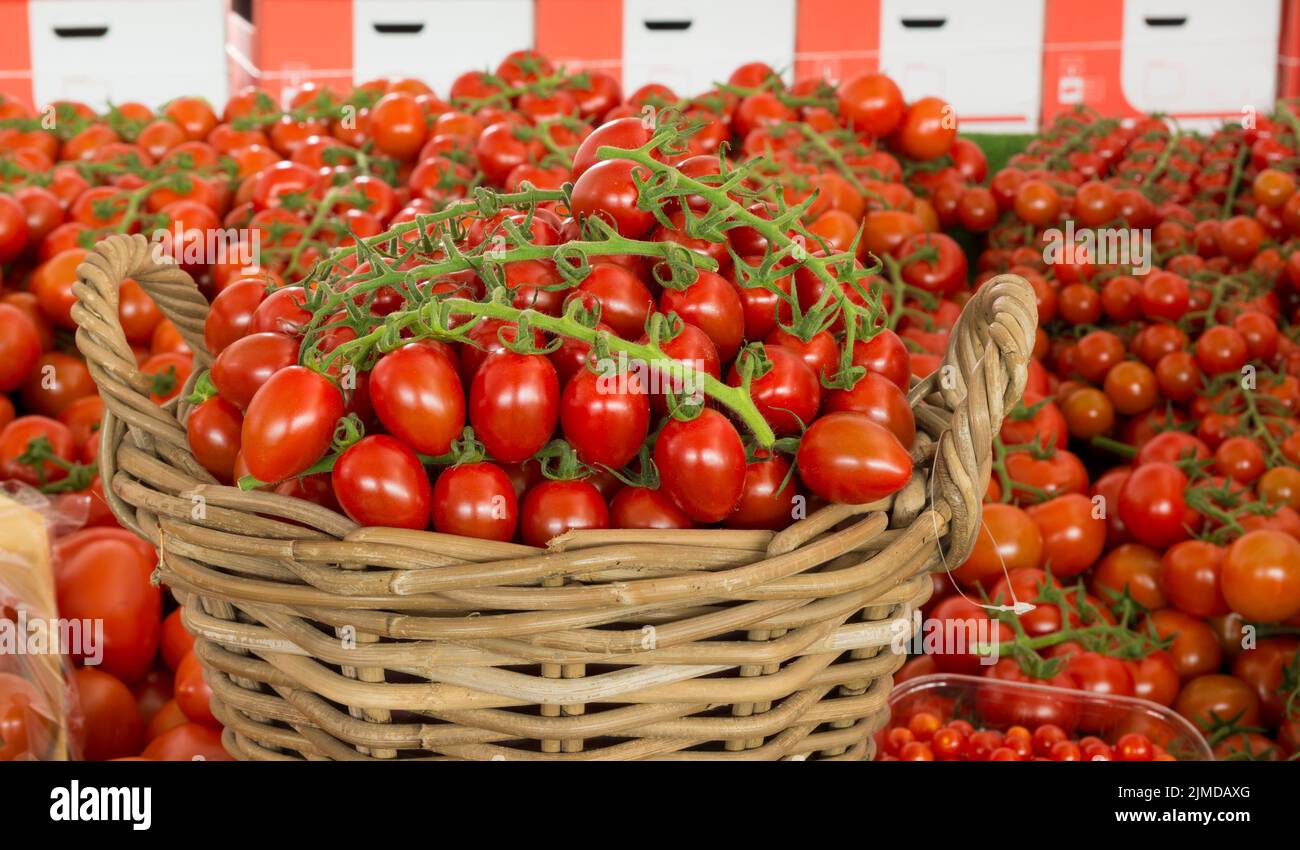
{"x":996,"y":704}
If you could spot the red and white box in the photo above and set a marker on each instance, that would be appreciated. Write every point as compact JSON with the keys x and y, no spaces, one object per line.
{"x":148,"y":51}
{"x":281,"y":44}
{"x":983,"y":56}
{"x":1200,"y":62}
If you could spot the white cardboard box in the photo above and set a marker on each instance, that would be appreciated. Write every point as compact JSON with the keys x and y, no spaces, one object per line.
{"x":436,"y":40}
{"x":982,"y":56}
{"x":1200,"y":61}
{"x":688,"y":46}
{"x":134,"y":50}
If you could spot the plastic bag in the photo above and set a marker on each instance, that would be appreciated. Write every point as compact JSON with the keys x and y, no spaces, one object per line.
{"x":38,"y":702}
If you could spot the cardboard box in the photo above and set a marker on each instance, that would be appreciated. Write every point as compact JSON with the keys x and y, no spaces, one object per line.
{"x":689,"y":46}
{"x":1198,"y":61}
{"x":982,"y":56}
{"x":281,"y":44}
{"x":132,"y":50}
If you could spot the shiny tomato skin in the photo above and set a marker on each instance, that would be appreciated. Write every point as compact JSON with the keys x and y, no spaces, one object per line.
{"x":417,"y":394}
{"x":289,"y":423}
{"x":768,"y":500}
{"x":642,"y":507}
{"x":625,"y":301}
{"x":553,"y":508}
{"x":886,"y":354}
{"x":109,"y":580}
{"x":380,"y":481}
{"x":514,"y":404}
{"x":608,"y":190}
{"x":880,"y":400}
{"x":213,"y":431}
{"x":1261,"y":576}
{"x":605,"y":417}
{"x":1152,"y":506}
{"x":475,"y":500}
{"x":231,"y":314}
{"x":1009,"y":540}
{"x":706,"y":448}
{"x":848,"y":458}
{"x":17,"y":436}
{"x":787,"y":394}
{"x":1073,"y":538}
{"x":20,"y":348}
{"x":245,"y":365}
{"x":712,"y":305}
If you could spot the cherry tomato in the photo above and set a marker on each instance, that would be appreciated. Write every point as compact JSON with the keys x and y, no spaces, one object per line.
{"x":514,"y":404}
{"x":706,"y":448}
{"x":109,"y":580}
{"x":555,"y":507}
{"x":289,"y":423}
{"x":475,"y":500}
{"x":848,"y":458}
{"x":417,"y":394}
{"x":605,"y":416}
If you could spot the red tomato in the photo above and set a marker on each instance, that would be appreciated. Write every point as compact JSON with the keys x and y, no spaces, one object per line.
{"x":768,"y":500}
{"x":641,"y":507}
{"x":177,"y":642}
{"x":380,"y":481}
{"x":111,"y":725}
{"x":1152,"y":505}
{"x":514,"y":403}
{"x":1006,"y":708}
{"x":187,"y":742}
{"x":20,"y":348}
{"x":605,"y":417}
{"x":17,"y":437}
{"x":1261,"y":576}
{"x":109,"y":580}
{"x":608,"y":190}
{"x":290,"y":423}
{"x":555,"y":507}
{"x":417,"y":394}
{"x":848,"y":458}
{"x":193,"y":695}
{"x":871,"y":103}
{"x":706,"y":448}
{"x":213,"y":431}
{"x":475,"y":500}
{"x":713,"y":305}
{"x":244,"y":366}
{"x":56,"y":382}
{"x":880,"y":400}
{"x":1009,"y":539}
{"x":231,"y":314}
{"x":1073,"y":536}
{"x":927,"y":129}
{"x":624,"y":299}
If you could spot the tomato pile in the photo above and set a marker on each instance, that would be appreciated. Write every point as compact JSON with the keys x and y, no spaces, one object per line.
{"x":926,"y":737}
{"x":1146,"y":488}
{"x":540,"y":304}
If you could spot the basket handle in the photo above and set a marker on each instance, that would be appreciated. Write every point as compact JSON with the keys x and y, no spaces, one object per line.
{"x":982,"y":377}
{"x":124,"y":388}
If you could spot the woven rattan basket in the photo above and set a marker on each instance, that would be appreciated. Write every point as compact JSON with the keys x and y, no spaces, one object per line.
{"x":325,"y":640}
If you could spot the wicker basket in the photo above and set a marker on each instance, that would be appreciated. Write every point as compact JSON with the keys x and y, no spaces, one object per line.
{"x":325,"y":640}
